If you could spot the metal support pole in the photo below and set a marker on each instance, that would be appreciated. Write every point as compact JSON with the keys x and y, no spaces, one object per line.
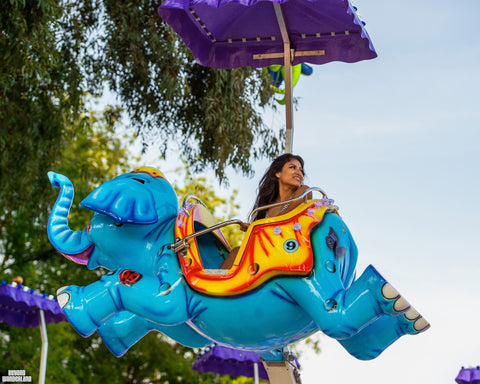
{"x":255,"y":374}
{"x":43,"y":358}
{"x":287,"y":58}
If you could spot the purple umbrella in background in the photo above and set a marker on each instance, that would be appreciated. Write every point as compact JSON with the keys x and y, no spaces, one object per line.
{"x":469,"y":376}
{"x":258,"y":33}
{"x":233,"y":362}
{"x":23,"y":307}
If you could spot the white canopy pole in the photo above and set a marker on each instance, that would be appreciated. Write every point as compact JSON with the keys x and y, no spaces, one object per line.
{"x":288,"y":77}
{"x":255,"y":374}
{"x":43,"y":358}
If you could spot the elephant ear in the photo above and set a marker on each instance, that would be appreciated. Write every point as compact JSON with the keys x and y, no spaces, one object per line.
{"x":125,"y":200}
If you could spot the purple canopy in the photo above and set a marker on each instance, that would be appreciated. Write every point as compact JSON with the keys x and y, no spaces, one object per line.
{"x":258,"y":33}
{"x":239,"y":33}
{"x":469,"y":376}
{"x":229,"y":361}
{"x":20,"y":307}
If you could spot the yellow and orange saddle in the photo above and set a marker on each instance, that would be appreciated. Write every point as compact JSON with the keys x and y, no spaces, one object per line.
{"x":271,"y":247}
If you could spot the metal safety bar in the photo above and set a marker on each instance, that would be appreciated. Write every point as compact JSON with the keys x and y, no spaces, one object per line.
{"x":181,"y":245}
{"x":298,"y":198}
{"x":185,"y":201}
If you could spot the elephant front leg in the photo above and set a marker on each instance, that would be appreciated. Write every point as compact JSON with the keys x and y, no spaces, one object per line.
{"x":123,"y":330}
{"x":86,"y":308}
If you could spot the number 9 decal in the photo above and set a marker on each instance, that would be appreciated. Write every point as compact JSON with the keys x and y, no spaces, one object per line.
{"x":290,"y":245}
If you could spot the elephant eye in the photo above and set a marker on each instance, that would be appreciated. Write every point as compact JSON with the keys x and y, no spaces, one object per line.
{"x":139,"y":180}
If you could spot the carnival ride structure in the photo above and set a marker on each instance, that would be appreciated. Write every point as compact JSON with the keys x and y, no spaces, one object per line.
{"x":293,"y":276}
{"x":260,"y":33}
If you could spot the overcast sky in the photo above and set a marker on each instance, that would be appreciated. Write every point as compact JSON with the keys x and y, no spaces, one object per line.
{"x":395,"y":141}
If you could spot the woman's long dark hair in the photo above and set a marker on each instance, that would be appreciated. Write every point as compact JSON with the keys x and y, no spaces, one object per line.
{"x":268,"y":186}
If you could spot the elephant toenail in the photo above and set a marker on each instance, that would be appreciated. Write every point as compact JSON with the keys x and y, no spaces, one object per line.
{"x":401,"y":304}
{"x":60,"y":290}
{"x":63,"y":299}
{"x":389,"y":292}
{"x":412,"y":314}
{"x":421,"y":324}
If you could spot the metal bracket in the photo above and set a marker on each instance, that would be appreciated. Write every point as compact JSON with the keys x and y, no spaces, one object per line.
{"x":283,"y":372}
{"x":318,"y":52}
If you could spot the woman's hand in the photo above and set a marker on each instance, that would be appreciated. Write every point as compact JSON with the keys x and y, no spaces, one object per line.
{"x":244,"y":226}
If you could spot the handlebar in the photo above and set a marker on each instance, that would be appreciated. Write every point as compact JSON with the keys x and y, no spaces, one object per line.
{"x":181,"y":245}
{"x":302,"y":196}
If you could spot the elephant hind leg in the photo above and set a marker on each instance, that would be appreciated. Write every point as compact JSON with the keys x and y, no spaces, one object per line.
{"x":341,"y":313}
{"x":373,"y":339}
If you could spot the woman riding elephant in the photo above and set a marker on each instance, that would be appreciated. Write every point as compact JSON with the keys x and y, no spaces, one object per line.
{"x":282,"y":182}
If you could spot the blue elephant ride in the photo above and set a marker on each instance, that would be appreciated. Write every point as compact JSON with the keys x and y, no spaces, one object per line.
{"x":294,"y":274}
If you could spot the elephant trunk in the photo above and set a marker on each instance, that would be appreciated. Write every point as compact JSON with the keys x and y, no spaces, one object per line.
{"x":74,"y":245}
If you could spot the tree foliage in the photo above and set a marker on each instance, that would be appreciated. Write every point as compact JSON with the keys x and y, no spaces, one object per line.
{"x":211,"y":113}
{"x":54,"y":55}
{"x":54,"y":52}
{"x":91,"y":154}
{"x":222,"y":208}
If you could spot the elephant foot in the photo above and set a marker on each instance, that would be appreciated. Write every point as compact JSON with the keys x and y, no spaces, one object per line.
{"x":389,"y":299}
{"x":73,"y":306}
{"x":369,"y":343}
{"x":412,"y":322}
{"x":372,"y":340}
{"x":397,"y":301}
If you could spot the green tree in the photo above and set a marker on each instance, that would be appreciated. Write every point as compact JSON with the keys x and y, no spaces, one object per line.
{"x":222,"y":208}
{"x":52,"y":52}
{"x":212,"y":113}
{"x":92,"y":153}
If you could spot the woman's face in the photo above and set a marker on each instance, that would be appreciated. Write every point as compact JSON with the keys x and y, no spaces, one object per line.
{"x":291,"y":174}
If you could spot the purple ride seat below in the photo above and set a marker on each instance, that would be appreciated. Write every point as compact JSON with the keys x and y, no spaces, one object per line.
{"x":229,"y":361}
{"x":469,"y":376}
